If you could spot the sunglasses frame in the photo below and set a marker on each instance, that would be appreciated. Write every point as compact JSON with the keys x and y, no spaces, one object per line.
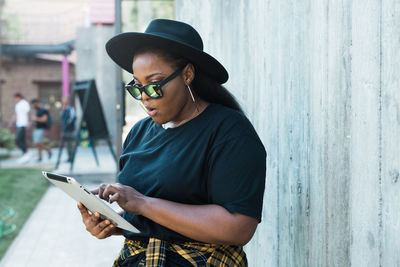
{"x":158,"y":89}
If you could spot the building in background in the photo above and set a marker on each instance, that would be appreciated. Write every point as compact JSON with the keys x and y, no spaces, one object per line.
{"x":89,"y":24}
{"x":35,"y":76}
{"x":37,"y":53}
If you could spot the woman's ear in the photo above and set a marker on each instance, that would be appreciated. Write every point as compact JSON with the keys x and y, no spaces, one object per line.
{"x":188,"y":73}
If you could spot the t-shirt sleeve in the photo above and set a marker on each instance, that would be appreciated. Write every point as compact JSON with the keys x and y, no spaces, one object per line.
{"x":121,"y":162}
{"x":236,"y":180}
{"x":27,"y":107}
{"x":42,"y":112}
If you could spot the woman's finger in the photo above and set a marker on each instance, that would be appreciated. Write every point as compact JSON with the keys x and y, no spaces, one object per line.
{"x":99,"y":227}
{"x":95,"y":225}
{"x":92,"y":225}
{"x":102,"y":229}
{"x":84,"y":212}
{"x":114,"y":198}
{"x":94,"y":219}
{"x":107,"y":231}
{"x":95,"y":191}
{"x":102,"y":188}
{"x":109,"y":190}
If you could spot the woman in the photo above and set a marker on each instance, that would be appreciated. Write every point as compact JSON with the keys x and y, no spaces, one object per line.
{"x":192,"y":174}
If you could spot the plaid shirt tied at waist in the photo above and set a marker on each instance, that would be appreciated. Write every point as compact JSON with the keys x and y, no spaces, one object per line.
{"x":154,"y":254}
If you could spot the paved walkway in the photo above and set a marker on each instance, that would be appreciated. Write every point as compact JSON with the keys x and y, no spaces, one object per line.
{"x":84,"y":164}
{"x":54,"y":234}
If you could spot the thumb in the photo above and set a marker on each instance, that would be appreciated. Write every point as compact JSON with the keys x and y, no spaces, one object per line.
{"x":84,"y":212}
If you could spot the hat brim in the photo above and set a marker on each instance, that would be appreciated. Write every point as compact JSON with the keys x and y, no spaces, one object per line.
{"x":121,"y":48}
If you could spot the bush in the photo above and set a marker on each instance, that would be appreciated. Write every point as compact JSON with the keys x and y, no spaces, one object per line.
{"x":6,"y":139}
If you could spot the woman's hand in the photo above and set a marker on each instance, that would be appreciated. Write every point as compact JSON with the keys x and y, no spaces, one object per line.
{"x":96,"y":226}
{"x":206,"y":223}
{"x":127,"y":198}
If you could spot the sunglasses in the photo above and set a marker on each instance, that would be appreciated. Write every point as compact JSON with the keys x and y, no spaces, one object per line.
{"x":153,"y":90}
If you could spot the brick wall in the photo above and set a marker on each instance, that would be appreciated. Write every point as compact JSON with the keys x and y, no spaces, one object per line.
{"x":26,"y":75}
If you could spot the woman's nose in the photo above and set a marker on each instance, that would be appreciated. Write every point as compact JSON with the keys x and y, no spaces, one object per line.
{"x":144,"y":96}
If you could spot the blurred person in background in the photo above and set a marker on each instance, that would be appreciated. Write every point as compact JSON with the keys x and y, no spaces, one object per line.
{"x":21,"y":118}
{"x":42,"y":120}
{"x":68,"y":118}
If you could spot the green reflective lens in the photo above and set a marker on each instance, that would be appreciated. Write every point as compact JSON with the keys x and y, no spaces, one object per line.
{"x":136,"y":92}
{"x":152,"y":90}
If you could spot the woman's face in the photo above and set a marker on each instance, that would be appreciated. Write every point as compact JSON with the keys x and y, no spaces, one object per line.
{"x":174,"y":106}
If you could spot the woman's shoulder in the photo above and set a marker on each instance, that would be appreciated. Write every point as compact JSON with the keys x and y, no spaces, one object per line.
{"x":228,"y":123}
{"x":230,"y":119}
{"x":225,"y":111}
{"x":141,"y":126}
{"x":145,"y":122}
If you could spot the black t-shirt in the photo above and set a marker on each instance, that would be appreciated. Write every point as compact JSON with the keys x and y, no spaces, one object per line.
{"x":215,"y":158}
{"x":39,"y":113}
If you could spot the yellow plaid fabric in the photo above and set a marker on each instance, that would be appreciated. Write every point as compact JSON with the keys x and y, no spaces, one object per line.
{"x":154,"y":254}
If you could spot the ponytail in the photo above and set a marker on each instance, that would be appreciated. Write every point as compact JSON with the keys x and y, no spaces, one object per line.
{"x":213,"y":92}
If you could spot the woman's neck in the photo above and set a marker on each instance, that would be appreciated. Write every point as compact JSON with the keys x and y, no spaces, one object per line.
{"x":196,"y":109}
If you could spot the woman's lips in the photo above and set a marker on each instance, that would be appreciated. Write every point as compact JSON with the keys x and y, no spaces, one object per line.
{"x":151,"y":111}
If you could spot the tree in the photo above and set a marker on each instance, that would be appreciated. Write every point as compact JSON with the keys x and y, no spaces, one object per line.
{"x":141,"y":12}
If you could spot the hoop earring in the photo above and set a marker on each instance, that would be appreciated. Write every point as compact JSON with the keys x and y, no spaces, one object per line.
{"x":191,"y":94}
{"x":190,"y":91}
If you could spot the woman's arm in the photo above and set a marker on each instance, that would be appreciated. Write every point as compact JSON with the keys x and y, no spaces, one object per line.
{"x":205,"y":223}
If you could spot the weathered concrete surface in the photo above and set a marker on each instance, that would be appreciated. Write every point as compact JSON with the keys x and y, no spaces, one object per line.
{"x":389,"y":239}
{"x":94,"y":63}
{"x":320,"y":82}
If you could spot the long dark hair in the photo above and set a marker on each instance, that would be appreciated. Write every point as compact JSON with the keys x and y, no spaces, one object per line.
{"x":213,"y":92}
{"x":204,"y":86}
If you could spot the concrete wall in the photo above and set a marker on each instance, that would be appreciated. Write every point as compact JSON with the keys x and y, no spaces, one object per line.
{"x":94,"y":63}
{"x":320,"y":82}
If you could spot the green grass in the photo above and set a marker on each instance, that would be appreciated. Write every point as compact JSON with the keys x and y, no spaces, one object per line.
{"x":20,"y":189}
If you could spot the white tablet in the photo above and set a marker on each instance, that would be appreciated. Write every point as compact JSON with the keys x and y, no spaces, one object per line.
{"x":90,"y":201}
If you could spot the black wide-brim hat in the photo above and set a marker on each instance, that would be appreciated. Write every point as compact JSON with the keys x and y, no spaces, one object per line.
{"x":177,"y":37}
